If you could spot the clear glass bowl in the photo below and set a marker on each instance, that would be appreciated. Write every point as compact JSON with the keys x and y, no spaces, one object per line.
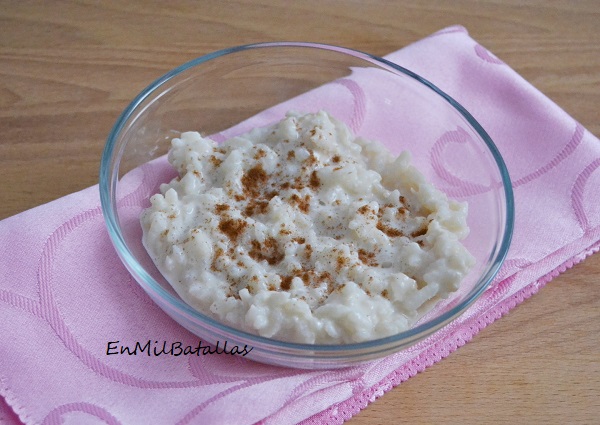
{"x":216,"y":92}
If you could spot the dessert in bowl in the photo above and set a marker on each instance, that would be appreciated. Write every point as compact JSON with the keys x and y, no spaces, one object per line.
{"x":321,"y":205}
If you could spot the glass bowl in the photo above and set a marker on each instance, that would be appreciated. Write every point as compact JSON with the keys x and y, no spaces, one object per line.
{"x":227,"y":92}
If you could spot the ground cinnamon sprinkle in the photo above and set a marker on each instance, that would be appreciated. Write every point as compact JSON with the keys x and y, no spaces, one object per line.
{"x":390,"y":231}
{"x":367,"y":258}
{"x":422,"y":231}
{"x":297,"y":183}
{"x":286,"y":282}
{"x":218,"y":254}
{"x":365,"y":209}
{"x":312,"y":159}
{"x":341,"y":262}
{"x":233,"y":228}
{"x":254,"y":179}
{"x":256,"y":207}
{"x":325,"y":276}
{"x":306,"y":277}
{"x":215,"y":161}
{"x":314,"y":182}
{"x":219,"y":208}
{"x":267,"y":251}
{"x":308,"y":250}
{"x":302,"y":203}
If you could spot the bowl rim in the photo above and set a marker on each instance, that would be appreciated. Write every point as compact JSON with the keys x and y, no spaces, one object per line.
{"x":108,"y":183}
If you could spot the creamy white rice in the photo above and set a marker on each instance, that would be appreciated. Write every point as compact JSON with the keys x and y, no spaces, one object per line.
{"x":302,"y":232}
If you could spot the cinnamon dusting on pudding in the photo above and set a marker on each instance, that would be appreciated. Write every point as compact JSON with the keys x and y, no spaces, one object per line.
{"x":303,"y":229}
{"x":367,"y":257}
{"x":254,"y":179}
{"x":389,"y":231}
{"x":233,"y":228}
{"x":266,"y":251}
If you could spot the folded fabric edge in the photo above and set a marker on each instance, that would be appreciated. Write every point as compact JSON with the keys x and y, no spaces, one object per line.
{"x":341,"y":412}
{"x":11,"y":407}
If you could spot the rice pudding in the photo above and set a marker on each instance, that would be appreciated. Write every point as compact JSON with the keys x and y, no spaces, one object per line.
{"x":302,"y":232}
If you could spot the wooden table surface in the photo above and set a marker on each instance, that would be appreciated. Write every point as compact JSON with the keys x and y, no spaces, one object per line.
{"x":67,"y":69}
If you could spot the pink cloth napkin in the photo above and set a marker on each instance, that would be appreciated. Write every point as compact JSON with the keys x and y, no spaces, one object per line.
{"x":64,"y":294}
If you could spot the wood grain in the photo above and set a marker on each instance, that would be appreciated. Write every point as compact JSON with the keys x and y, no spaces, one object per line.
{"x":67,"y":69}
